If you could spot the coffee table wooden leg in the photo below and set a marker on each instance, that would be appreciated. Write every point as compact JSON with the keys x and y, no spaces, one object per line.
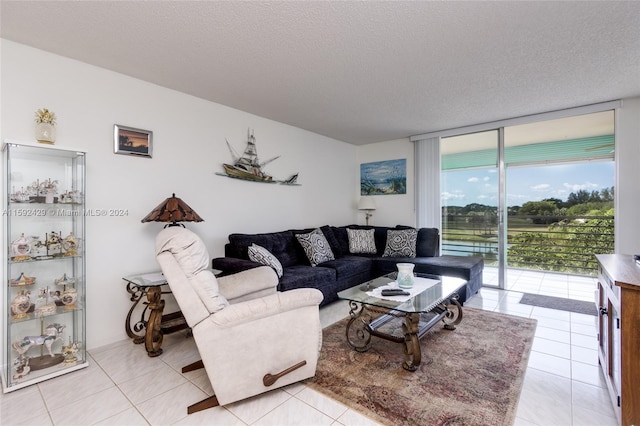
{"x":412,"y":352}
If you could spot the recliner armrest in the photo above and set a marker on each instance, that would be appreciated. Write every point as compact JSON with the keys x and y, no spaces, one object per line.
{"x":248,"y":284}
{"x":263,"y":307}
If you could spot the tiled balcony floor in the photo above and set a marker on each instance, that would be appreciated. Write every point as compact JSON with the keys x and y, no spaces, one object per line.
{"x":123,"y":386}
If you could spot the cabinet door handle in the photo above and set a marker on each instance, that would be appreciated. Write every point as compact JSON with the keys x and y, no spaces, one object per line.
{"x":603,"y":311}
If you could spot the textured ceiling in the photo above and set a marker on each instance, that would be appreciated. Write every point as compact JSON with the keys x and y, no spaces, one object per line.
{"x":360,"y":72}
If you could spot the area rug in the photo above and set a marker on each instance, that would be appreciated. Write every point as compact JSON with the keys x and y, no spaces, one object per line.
{"x":469,"y":376}
{"x":561,"y":303}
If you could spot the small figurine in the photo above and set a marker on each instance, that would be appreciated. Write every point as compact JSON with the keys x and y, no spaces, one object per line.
{"x":44,"y":306}
{"x":52,"y":334}
{"x":22,"y":280}
{"x":70,"y":352}
{"x":69,"y":297}
{"x":53,"y":242}
{"x":20,"y":249}
{"x":21,"y":364}
{"x":20,"y":305}
{"x":70,"y":245}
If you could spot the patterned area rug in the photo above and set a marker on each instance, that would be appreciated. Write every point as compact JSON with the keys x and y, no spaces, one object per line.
{"x":469,"y":376}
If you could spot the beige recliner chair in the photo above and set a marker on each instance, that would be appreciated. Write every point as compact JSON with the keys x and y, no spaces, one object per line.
{"x":251,"y":338}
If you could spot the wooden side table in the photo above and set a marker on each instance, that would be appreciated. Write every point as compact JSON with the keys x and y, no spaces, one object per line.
{"x":152,"y":320}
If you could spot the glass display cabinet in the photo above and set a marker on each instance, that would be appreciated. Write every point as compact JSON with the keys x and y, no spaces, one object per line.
{"x":44,"y":279}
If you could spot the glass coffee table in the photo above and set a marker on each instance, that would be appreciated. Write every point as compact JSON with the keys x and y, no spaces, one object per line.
{"x":402,"y":319}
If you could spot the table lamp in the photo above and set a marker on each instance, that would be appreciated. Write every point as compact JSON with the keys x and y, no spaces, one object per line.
{"x":173,"y":210}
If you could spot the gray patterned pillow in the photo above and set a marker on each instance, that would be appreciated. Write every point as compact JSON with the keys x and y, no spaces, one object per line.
{"x":262,"y":255}
{"x":401,"y":243}
{"x":361,"y":241}
{"x":316,"y":247}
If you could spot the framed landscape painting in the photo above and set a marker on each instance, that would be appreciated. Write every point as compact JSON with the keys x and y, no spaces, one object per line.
{"x":383,"y":177}
{"x":130,"y":141}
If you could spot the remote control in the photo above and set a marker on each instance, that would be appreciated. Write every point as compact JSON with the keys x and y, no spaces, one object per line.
{"x":394,"y":292}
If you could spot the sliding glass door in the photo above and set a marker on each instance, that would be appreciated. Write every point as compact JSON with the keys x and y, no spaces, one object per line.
{"x":470,"y":197}
{"x":536,"y":196}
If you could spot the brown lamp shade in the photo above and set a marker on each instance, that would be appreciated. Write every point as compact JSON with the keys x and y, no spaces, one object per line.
{"x":173,"y":210}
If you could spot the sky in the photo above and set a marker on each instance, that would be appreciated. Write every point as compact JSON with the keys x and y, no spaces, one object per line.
{"x":531,"y":183}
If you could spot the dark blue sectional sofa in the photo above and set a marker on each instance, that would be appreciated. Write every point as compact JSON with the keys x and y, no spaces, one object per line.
{"x":347,"y":269}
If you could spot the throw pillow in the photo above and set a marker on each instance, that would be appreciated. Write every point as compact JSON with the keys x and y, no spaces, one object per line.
{"x":401,"y":243}
{"x":265,"y":257}
{"x":316,"y":247}
{"x":361,"y":240}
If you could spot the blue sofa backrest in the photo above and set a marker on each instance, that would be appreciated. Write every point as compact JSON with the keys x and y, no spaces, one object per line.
{"x":286,"y":248}
{"x":427,"y":244}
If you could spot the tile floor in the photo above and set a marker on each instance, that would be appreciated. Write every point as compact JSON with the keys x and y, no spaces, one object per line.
{"x":124,"y":387}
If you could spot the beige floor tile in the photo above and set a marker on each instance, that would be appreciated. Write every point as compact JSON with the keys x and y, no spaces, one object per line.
{"x":591,"y":397}
{"x":85,"y":382}
{"x":150,"y":385}
{"x":211,"y":417}
{"x":586,"y":417}
{"x":122,"y":365}
{"x":322,"y":403}
{"x":587,"y":330}
{"x":294,"y":412}
{"x":543,"y":410}
{"x":589,"y":342}
{"x":91,"y":409}
{"x":554,"y":324}
{"x":22,"y":406}
{"x":577,"y":318}
{"x":539,"y":312}
{"x":130,"y":417}
{"x":553,"y":334}
{"x":550,"y":364}
{"x":252,"y":409}
{"x":354,"y":418}
{"x":171,"y":406}
{"x":584,"y":355}
{"x":552,"y":347}
{"x":591,"y":374}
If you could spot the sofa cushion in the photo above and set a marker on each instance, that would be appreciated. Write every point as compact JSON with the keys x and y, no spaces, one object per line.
{"x":428,"y":244}
{"x":349,"y":266}
{"x":361,"y":241}
{"x":263,"y":256}
{"x":316,"y":247}
{"x":299,"y":276}
{"x":401,"y":243}
{"x":334,"y":243}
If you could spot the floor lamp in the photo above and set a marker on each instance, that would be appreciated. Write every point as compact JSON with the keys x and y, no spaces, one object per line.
{"x":367,"y":204}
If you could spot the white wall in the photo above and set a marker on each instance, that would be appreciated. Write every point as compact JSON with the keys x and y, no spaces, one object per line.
{"x":397,"y":209}
{"x":189,"y":147}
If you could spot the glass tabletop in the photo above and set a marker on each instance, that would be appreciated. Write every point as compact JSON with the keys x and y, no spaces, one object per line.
{"x":150,"y":279}
{"x":428,"y":291}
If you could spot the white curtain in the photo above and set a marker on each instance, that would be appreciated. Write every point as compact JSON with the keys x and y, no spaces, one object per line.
{"x":427,"y":172}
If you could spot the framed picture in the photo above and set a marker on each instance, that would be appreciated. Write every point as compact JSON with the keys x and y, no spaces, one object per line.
{"x":130,"y":141}
{"x":383,"y":177}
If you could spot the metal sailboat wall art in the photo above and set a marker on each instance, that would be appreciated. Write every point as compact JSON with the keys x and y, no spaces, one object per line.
{"x":248,"y":167}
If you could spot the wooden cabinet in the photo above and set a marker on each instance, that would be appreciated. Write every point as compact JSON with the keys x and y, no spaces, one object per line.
{"x":619,"y":333}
